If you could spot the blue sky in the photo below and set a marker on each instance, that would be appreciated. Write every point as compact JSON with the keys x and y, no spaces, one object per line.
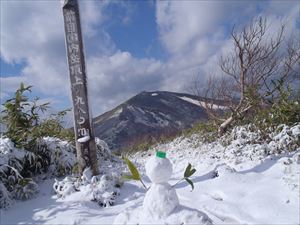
{"x":130,"y":46}
{"x":138,"y":35}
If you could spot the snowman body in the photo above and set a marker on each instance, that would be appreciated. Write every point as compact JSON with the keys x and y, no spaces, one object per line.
{"x":161,"y":205}
{"x":161,"y":199}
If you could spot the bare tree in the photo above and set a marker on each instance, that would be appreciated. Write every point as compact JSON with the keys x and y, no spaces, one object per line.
{"x":249,"y":71}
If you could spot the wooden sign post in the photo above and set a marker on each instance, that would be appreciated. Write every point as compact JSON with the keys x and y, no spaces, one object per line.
{"x":85,"y":141}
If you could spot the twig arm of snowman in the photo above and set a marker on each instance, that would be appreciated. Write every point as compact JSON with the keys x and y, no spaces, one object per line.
{"x":189,"y":171}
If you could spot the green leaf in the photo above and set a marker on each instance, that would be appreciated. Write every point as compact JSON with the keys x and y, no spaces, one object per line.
{"x":127,"y":177}
{"x":190,"y":182}
{"x":192,"y":172}
{"x":187,"y":170}
{"x":134,"y":172}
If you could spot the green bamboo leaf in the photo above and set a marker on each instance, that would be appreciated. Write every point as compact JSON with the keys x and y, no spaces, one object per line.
{"x":127,"y":177}
{"x":190,"y":182}
{"x":187,"y":170}
{"x":134,"y":172}
{"x":192,"y":172}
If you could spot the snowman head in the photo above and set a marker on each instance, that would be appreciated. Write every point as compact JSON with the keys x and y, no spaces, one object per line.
{"x":159,"y":170}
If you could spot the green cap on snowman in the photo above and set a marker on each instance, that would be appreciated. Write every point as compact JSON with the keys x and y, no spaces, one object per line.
{"x":160,"y":154}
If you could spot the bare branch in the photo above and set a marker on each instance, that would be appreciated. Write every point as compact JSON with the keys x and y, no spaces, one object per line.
{"x":256,"y":60}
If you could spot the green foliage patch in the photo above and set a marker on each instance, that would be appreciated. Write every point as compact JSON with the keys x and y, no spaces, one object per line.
{"x":22,"y":120}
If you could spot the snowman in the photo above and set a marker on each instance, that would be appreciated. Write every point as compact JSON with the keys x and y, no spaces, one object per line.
{"x":161,"y":204}
{"x":161,"y":199}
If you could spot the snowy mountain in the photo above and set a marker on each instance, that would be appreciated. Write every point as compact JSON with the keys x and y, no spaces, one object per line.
{"x":148,"y":114}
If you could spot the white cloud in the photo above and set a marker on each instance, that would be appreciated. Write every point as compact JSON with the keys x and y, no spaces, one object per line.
{"x":7,"y":85}
{"x":32,"y":32}
{"x":92,"y":16}
{"x":114,"y":78}
{"x":194,"y":34}
{"x":183,"y":22}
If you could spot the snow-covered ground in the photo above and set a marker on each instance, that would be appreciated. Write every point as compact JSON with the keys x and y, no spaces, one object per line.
{"x":237,"y":182}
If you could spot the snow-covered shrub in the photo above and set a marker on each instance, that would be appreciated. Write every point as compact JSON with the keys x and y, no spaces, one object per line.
{"x":32,"y":164}
{"x":105,"y":199}
{"x":66,"y":187}
{"x":11,"y":163}
{"x":25,"y":189}
{"x":241,"y":135}
{"x":5,"y":197}
{"x":17,"y":166}
{"x":87,"y":176}
{"x":102,"y":189}
{"x":285,"y":138}
{"x":248,"y":139}
{"x":103,"y":151}
{"x":106,"y":190}
{"x":60,"y":155}
{"x":52,"y":155}
{"x":284,"y":109}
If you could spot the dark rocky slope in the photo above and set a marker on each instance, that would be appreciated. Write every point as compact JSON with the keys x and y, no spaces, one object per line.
{"x":148,"y":114}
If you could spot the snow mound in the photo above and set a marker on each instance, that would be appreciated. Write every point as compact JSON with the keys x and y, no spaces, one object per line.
{"x":180,"y":216}
{"x":223,"y":170}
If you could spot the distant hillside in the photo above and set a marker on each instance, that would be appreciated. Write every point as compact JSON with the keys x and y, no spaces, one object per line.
{"x":148,"y":114}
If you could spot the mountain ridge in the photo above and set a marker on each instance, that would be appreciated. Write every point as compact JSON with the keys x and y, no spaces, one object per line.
{"x":148,"y":114}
